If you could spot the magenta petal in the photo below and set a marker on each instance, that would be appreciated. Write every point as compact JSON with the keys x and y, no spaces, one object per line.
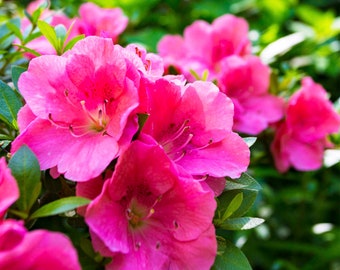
{"x":305,"y":156}
{"x":197,"y":254}
{"x":9,"y":191}
{"x":107,"y":220}
{"x":38,"y":250}
{"x":45,"y":95}
{"x":93,"y":152}
{"x":229,"y":157}
{"x":191,"y":215}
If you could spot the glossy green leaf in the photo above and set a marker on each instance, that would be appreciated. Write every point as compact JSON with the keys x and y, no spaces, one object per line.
{"x":26,"y":170}
{"x":244,"y":182}
{"x":10,"y":104}
{"x":233,"y":206}
{"x":59,"y":206}
{"x":241,"y":223}
{"x":49,"y":32}
{"x":231,"y":259}
{"x":72,"y":42}
{"x":16,"y":72}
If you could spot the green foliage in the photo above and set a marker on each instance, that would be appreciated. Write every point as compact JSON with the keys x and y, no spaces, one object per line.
{"x":60,"y":206}
{"x":230,"y":257}
{"x":57,"y":36}
{"x":9,"y":105}
{"x":297,"y":38}
{"x":26,"y":170}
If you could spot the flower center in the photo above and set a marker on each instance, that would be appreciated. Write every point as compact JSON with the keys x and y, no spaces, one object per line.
{"x":95,"y":121}
{"x":137,"y":213}
{"x":179,"y":142}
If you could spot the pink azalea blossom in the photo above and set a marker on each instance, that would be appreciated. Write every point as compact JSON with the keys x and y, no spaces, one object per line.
{"x":38,"y":250}
{"x":204,"y":45}
{"x":97,"y":21}
{"x":9,"y":191}
{"x":300,"y":140}
{"x":92,"y":21}
{"x":150,"y":216}
{"x":54,"y":18}
{"x":193,"y":125}
{"x":246,"y":82}
{"x":83,"y":105}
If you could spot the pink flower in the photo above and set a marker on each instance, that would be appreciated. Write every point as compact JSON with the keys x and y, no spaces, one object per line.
{"x":83,"y":104}
{"x":54,"y":18}
{"x":246,"y":82}
{"x":93,"y":21}
{"x":38,"y":250}
{"x":193,"y":125}
{"x":150,"y":216}
{"x":9,"y":191}
{"x":301,"y":139}
{"x":96,"y":21}
{"x":204,"y":45}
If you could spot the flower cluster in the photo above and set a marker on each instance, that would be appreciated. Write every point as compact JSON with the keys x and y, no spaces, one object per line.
{"x":92,"y":21}
{"x":83,"y":115}
{"x":301,"y":138}
{"x":151,"y":150}
{"x":223,"y":50}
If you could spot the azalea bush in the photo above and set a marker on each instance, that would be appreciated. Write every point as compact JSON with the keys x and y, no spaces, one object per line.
{"x":158,"y":135}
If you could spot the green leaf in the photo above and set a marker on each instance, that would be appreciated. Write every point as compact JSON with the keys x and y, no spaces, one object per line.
{"x":60,"y":206}
{"x":32,"y":36}
{"x":231,"y":259}
{"x":26,"y":49}
{"x":249,"y":197}
{"x":15,"y":29}
{"x":73,"y":41}
{"x":233,"y":206}
{"x":16,"y":72}
{"x":244,"y":182}
{"x":49,"y":32}
{"x":26,"y":170}
{"x":241,"y":223}
{"x":61,"y":33}
{"x":9,"y":105}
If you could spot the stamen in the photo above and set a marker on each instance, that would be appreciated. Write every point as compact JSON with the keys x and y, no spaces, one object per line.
{"x":66,"y":93}
{"x":180,"y":157}
{"x":176,"y":224}
{"x":205,"y":146}
{"x":147,"y":65}
{"x":178,"y":133}
{"x":138,"y":245}
{"x":128,"y":213}
{"x":202,"y":178}
{"x":77,"y":135}
{"x":190,"y":136}
{"x":55,"y":123}
{"x":158,"y":245}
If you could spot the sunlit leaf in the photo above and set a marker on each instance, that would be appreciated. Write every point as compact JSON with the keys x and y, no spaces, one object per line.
{"x":49,"y":33}
{"x":60,"y":206}
{"x":241,"y":223}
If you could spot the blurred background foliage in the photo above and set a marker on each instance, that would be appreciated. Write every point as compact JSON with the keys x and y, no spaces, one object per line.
{"x":296,"y":38}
